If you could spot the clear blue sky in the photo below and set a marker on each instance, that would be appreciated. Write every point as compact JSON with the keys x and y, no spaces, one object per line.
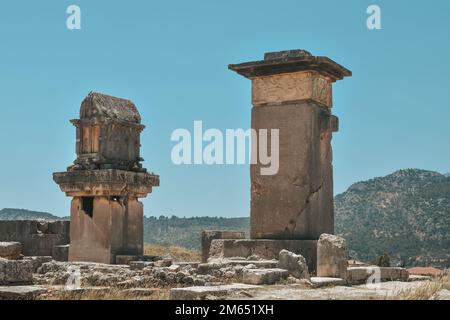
{"x":171,"y":57}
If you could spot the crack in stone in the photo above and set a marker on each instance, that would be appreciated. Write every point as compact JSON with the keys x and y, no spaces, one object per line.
{"x":311,"y":194}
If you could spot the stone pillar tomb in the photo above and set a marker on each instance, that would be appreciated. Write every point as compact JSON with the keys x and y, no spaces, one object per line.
{"x":106,"y":181}
{"x":292,"y":92}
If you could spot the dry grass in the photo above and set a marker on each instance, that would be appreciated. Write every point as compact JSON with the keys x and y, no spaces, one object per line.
{"x":103,"y":294}
{"x":174,"y":252}
{"x":425,"y":291}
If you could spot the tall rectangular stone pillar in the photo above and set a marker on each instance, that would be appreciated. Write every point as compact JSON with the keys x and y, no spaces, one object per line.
{"x":291,"y":92}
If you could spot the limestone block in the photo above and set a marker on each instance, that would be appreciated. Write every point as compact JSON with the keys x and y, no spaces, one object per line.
{"x":10,"y":250}
{"x":297,"y":202}
{"x":61,"y":253}
{"x":267,"y":249}
{"x":332,"y":256}
{"x":210,"y":267}
{"x":20,"y":292}
{"x":38,"y":261}
{"x":443,"y":294}
{"x":166,"y":262}
{"x":208,"y":235}
{"x":139,"y":265}
{"x":15,"y":271}
{"x":319,"y":282}
{"x":202,"y":292}
{"x":289,"y":87}
{"x":295,"y":264}
{"x":359,"y":275}
{"x":125,"y":259}
{"x":264,"y":276}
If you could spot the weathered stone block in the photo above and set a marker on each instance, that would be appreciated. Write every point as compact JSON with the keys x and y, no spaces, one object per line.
{"x":61,"y":253}
{"x":332,"y":257}
{"x":20,"y":292}
{"x":209,"y":235}
{"x":359,"y":275}
{"x":15,"y":272}
{"x":295,"y":264}
{"x":113,"y":228}
{"x":297,"y":86}
{"x":10,"y":250}
{"x":139,"y":265}
{"x":125,"y":259}
{"x":202,"y":292}
{"x":166,"y":262}
{"x":319,"y":282}
{"x":264,"y":276}
{"x":264,"y":248}
{"x":210,"y":267}
{"x":30,"y":234}
{"x":38,"y":261}
{"x":297,"y":202}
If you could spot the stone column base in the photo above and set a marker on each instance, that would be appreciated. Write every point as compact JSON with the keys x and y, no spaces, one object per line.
{"x":264,"y":248}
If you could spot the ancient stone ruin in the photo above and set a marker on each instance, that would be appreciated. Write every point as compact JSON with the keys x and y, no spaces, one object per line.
{"x":106,"y":181}
{"x":292,"y":92}
{"x":37,"y":238}
{"x":291,"y":243}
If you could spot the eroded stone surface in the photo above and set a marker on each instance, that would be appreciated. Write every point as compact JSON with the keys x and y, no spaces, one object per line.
{"x":443,"y":294}
{"x":106,"y":180}
{"x":20,"y":292}
{"x":61,"y":253}
{"x":10,"y":250}
{"x":201,"y":293}
{"x":357,"y":275}
{"x":295,"y":264}
{"x":319,"y":282}
{"x":332,"y":256}
{"x":209,"y":235}
{"x":291,"y":93}
{"x":14,"y":272}
{"x":264,"y":276}
{"x":38,"y":261}
{"x":266,"y":249}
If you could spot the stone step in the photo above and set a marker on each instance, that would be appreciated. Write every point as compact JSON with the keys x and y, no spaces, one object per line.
{"x":201,"y":293}
{"x":319,"y":282}
{"x":20,"y":292}
{"x":359,"y":275}
{"x":264,"y":276}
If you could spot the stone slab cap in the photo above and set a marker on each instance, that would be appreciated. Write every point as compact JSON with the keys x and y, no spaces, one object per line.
{"x":107,"y":182}
{"x":101,"y":107}
{"x":291,"y":61}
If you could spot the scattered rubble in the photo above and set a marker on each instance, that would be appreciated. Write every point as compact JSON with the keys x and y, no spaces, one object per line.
{"x":14,"y":272}
{"x":295,"y":264}
{"x":11,"y":250}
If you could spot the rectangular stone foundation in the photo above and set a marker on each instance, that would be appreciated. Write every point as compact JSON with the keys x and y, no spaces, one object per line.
{"x":264,"y":248}
{"x":111,"y":227}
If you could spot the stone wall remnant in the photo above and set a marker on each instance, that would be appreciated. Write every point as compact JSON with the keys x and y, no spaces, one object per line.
{"x":209,"y":235}
{"x":37,"y":237}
